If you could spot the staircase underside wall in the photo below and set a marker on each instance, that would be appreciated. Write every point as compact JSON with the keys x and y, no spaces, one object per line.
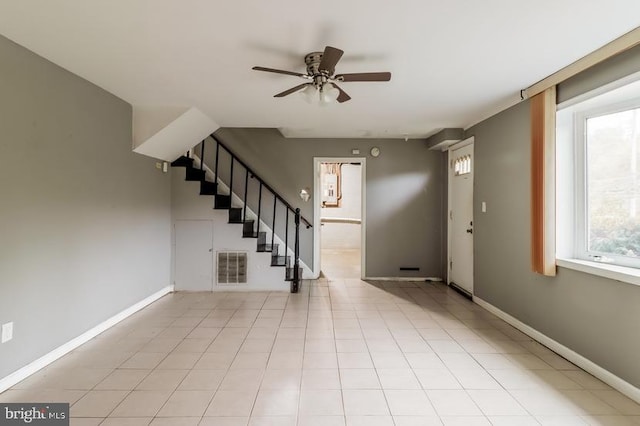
{"x":187,"y":204}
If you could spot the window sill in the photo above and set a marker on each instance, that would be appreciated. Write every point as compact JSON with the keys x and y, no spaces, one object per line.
{"x":614,"y":272}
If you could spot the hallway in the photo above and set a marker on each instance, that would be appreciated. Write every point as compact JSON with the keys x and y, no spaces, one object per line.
{"x":341,"y":352}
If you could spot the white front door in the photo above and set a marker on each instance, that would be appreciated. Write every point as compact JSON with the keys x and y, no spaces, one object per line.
{"x":194,"y":255}
{"x":461,"y":216}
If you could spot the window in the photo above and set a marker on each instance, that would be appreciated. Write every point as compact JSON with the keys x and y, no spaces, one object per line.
{"x":598,"y":145}
{"x":462,"y":165}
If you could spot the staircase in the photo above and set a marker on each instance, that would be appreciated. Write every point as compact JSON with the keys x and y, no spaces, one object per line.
{"x":226,"y":167}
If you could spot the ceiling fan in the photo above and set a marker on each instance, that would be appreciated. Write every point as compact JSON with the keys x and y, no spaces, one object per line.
{"x":322,"y":77}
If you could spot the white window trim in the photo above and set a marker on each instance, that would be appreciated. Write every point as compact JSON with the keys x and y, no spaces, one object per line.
{"x":581,"y":218}
{"x":570,"y":172}
{"x":623,"y":274}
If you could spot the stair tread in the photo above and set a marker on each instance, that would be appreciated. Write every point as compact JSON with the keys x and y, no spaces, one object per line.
{"x":182,"y":161}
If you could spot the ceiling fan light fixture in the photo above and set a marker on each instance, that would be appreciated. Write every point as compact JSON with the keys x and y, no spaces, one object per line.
{"x":321,"y":82}
{"x":309,"y":94}
{"x":329,"y":93}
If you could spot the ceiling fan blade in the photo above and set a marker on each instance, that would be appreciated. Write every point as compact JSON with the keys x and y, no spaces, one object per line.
{"x":364,"y":76}
{"x":292,"y":90}
{"x":297,"y":74}
{"x":330,"y":58}
{"x":342,"y":97}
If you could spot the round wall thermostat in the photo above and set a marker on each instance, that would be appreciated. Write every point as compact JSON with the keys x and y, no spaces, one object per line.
{"x":375,"y":151}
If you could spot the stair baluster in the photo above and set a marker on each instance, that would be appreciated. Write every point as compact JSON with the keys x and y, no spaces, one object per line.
{"x":246,"y":188}
{"x":239,"y":215}
{"x":273,"y":225}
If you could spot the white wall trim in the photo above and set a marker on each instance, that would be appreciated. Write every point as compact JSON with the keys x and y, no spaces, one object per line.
{"x":420,"y":279}
{"x":589,"y":366}
{"x":43,"y":361}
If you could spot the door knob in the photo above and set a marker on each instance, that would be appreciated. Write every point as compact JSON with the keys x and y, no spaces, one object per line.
{"x":470,"y":231}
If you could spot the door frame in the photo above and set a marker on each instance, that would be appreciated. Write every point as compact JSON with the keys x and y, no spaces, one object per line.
{"x":469,"y":141}
{"x":317,"y":209}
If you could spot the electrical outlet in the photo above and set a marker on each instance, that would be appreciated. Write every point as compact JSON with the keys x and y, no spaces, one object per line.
{"x":7,"y":332}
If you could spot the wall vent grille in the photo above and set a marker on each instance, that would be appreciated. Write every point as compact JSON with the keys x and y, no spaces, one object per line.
{"x":232,"y":267}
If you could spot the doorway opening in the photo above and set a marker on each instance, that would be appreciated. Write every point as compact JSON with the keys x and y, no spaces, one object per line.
{"x":339,"y":201}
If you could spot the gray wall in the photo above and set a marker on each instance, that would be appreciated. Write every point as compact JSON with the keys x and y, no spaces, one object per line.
{"x":404,"y":191}
{"x":596,"y":317}
{"x":84,"y":222}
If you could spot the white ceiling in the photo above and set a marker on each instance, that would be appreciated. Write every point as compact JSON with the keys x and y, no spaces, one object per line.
{"x":454,"y":62}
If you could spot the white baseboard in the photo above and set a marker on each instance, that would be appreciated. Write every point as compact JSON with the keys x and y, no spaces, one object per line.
{"x":589,"y":366}
{"x":43,"y":361}
{"x":421,"y":279}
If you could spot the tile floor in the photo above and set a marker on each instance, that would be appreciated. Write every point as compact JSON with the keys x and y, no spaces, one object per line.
{"x":341,"y":353}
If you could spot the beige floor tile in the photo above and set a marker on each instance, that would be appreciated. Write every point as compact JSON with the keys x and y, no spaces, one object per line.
{"x":97,"y":403}
{"x":94,"y":421}
{"x":231,"y":403}
{"x":224,"y":421}
{"x":161,"y":345}
{"x":202,"y":380}
{"x":287,"y":379}
{"x":465,"y":421}
{"x":320,"y":345}
{"x":398,"y":379}
{"x":175,"y":421}
{"x":215,"y":361}
{"x":475,"y":378}
{"x":276,"y":403}
{"x":320,"y":360}
{"x":354,"y":360}
{"x":434,"y":379}
{"x":323,"y":378}
{"x":453,"y":403}
{"x":566,"y":420}
{"x":321,"y":421}
{"x":365,"y":403}
{"x":321,"y":403}
{"x":144,"y":360}
{"x":122,"y":421}
{"x":272,"y":421}
{"x":242,"y":379}
{"x":409,"y":403}
{"x":163,"y":380}
{"x":359,"y":378}
{"x":513,"y":420}
{"x":620,"y":402}
{"x":284,"y":360}
{"x":186,"y":404}
{"x":250,"y":360}
{"x":257,"y":345}
{"x":202,"y":332}
{"x":424,"y":361}
{"x":342,"y":352}
{"x":179,"y":361}
{"x":418,"y":421}
{"x":141,"y":404}
{"x":379,"y":420}
{"x":123,"y":379}
{"x":389,"y":360}
{"x":496,"y":403}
